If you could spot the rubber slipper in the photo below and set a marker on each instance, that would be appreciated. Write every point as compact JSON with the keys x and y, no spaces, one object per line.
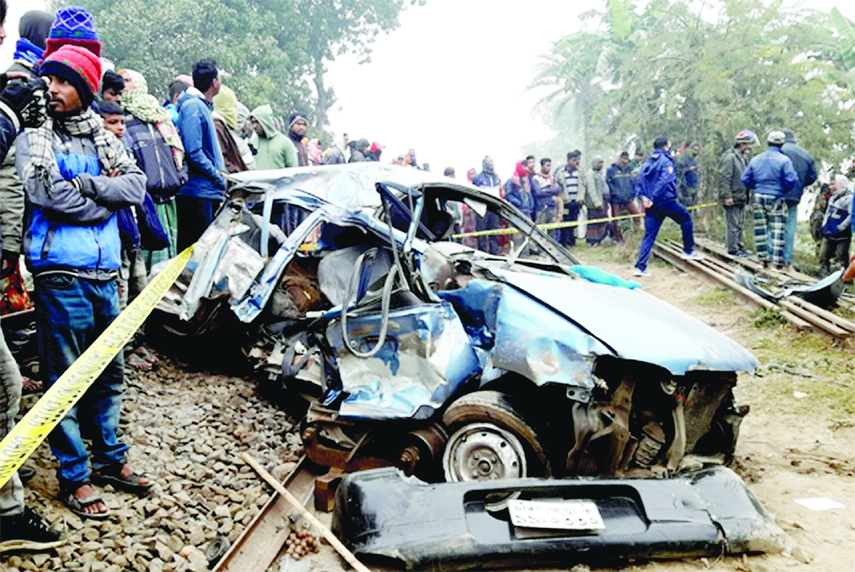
{"x":78,"y":506}
{"x":130,"y":484}
{"x":26,"y":474}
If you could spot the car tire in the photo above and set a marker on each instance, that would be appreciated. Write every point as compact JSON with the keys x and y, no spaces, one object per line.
{"x":495,"y":421}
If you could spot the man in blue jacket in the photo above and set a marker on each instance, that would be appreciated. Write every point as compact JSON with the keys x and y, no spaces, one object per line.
{"x":803,"y":163}
{"x":770,"y":175}
{"x":657,"y":187}
{"x":200,"y":198}
{"x":77,"y":177}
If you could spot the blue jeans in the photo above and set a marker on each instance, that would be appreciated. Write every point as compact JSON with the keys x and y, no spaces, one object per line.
{"x":70,"y":314}
{"x":653,"y":219}
{"x":790,"y":231}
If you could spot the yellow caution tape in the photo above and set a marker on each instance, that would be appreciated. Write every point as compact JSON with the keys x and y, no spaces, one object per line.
{"x":554,"y":225}
{"x":48,"y":411}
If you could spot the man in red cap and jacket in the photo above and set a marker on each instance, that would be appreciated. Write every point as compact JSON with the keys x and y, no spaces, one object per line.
{"x":77,"y":177}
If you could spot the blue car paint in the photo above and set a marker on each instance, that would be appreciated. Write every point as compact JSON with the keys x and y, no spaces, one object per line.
{"x":424,"y":360}
{"x":635,"y":325}
{"x":522,"y":335}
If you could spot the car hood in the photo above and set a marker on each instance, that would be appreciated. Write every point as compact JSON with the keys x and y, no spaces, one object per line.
{"x":634,"y":324}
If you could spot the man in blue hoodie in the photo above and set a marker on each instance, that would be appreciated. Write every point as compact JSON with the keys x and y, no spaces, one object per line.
{"x":657,"y":187}
{"x":200,"y":198}
{"x":771,"y":176}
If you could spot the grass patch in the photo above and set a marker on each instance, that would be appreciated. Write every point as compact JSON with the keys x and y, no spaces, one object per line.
{"x":807,"y":362}
{"x":765,"y":319}
{"x":716,"y":297}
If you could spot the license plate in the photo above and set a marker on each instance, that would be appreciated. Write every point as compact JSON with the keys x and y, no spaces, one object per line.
{"x":563,"y":515}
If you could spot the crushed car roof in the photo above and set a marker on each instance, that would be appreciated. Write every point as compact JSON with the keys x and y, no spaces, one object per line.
{"x":350,"y":186}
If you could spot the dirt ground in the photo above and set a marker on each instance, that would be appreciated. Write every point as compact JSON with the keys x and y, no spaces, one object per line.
{"x":796,"y":443}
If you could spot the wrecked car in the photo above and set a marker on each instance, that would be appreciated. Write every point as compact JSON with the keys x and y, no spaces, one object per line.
{"x":446,"y":362}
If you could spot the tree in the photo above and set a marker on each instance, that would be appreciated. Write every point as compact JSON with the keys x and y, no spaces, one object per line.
{"x":270,"y":51}
{"x":705,"y":71}
{"x":585,"y":64}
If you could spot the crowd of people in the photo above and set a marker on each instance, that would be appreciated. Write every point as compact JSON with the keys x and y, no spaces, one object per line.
{"x":768,"y":187}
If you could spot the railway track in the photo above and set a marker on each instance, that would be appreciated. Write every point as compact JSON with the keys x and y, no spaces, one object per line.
{"x":722,"y":268}
{"x":262,"y":540}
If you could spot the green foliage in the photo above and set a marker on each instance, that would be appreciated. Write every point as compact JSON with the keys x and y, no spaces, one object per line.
{"x":692,"y":70}
{"x":769,"y":319}
{"x":270,"y":51}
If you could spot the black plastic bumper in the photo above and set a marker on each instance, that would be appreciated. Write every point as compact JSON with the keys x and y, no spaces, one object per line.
{"x":386,"y":517}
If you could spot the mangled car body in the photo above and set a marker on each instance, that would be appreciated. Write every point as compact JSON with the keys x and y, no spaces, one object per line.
{"x":444,"y":361}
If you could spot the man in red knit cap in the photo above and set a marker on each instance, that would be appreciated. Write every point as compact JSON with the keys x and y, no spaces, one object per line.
{"x":77,"y":176}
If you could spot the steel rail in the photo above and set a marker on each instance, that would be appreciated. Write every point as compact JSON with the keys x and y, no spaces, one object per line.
{"x":800,"y":313}
{"x":262,"y":540}
{"x":672,"y":256}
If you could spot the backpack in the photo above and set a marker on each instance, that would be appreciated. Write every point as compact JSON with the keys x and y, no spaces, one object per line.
{"x":154,"y":157}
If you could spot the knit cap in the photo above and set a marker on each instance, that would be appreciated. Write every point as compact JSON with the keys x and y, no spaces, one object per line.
{"x":73,"y":26}
{"x":294,"y":118}
{"x":746,"y":136}
{"x":79,"y":67}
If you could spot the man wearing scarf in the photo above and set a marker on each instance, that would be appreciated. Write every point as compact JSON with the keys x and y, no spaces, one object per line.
{"x":236,"y":152}
{"x":77,"y":176}
{"x":297,"y":126}
{"x":159,"y":152}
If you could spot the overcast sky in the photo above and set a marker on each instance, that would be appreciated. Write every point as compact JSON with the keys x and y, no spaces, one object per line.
{"x":451,"y":81}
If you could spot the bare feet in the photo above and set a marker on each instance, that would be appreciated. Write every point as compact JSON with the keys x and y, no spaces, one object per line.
{"x":85,"y":492}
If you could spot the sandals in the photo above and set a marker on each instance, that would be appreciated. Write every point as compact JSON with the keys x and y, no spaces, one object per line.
{"x":78,"y":506}
{"x":112,"y":475}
